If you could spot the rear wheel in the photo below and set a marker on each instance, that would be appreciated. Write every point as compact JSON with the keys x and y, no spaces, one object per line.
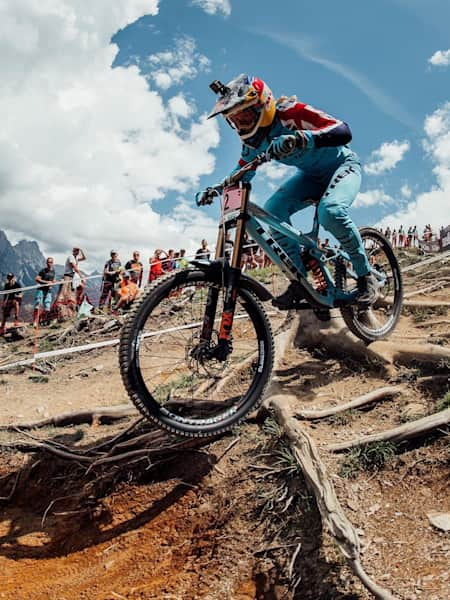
{"x":376,"y":322}
{"x":173,"y":377}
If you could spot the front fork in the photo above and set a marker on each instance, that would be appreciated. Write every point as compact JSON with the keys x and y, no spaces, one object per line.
{"x":231,"y":277}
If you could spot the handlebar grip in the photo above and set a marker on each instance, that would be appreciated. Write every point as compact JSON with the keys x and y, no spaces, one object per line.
{"x":289,"y":144}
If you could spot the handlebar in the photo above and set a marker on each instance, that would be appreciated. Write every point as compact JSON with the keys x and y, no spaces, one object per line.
{"x":207,"y":197}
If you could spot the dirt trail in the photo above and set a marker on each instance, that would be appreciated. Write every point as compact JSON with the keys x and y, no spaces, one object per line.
{"x":197,"y":528}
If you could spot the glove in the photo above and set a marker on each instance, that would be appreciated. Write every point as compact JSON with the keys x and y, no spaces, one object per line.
{"x":284,"y":145}
{"x":206,"y":197}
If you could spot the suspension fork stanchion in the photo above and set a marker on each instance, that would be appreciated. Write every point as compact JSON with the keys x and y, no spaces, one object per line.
{"x":213,"y":292}
{"x":232,"y":283}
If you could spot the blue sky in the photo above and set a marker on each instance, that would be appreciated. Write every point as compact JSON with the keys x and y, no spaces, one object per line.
{"x":107,"y":141}
{"x":366,"y":63}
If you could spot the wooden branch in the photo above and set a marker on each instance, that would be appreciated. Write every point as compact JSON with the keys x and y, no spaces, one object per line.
{"x":375,"y":395}
{"x":430,"y":288}
{"x":443,"y":271}
{"x":100,"y":414}
{"x":22,"y":446}
{"x":401,"y":433}
{"x":387,"y":301}
{"x":426,"y":304}
{"x":432,"y":323}
{"x":314,"y":470}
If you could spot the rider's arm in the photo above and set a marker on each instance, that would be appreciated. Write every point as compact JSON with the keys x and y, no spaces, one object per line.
{"x":317,"y":127}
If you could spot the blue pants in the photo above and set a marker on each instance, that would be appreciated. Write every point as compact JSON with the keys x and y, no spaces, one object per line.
{"x":336,"y":195}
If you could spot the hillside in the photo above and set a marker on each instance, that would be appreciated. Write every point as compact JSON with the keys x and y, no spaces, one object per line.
{"x":232,"y":518}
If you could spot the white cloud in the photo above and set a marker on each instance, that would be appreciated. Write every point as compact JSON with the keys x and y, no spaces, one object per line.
{"x":87,"y":149}
{"x":275,"y":171}
{"x":386,"y":157}
{"x":432,"y":206}
{"x":214,"y":6}
{"x":441,"y":58}
{"x":371,"y":198}
{"x":406,"y":191}
{"x":172,"y":67}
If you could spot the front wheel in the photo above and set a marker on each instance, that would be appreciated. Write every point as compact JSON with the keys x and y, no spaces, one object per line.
{"x":174,"y":377}
{"x":378,"y":321}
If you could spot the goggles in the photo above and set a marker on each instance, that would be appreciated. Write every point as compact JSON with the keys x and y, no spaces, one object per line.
{"x":245,"y":120}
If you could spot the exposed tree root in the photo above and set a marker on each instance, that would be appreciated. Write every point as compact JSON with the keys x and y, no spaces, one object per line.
{"x":438,"y":304}
{"x":374,"y":396}
{"x":283,"y":341}
{"x":334,"y":337}
{"x":101,"y":414}
{"x":314,"y":471}
{"x":401,"y":433}
{"x":333,"y":517}
{"x":153,"y":443}
{"x":431,"y":288}
{"x":433,"y":322}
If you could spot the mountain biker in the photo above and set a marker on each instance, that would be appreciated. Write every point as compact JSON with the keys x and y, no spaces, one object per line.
{"x":327,"y":168}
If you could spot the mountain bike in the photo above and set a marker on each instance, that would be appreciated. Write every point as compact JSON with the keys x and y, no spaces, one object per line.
{"x":196,"y":351}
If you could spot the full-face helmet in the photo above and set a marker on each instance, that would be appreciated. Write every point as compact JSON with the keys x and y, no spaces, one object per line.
{"x":247,"y":104}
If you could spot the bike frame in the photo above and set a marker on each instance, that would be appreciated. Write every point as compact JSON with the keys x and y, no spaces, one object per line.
{"x":237,"y":210}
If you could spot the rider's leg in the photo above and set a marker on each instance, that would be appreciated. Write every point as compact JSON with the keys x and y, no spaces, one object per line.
{"x":333,"y":216}
{"x":293,"y":195}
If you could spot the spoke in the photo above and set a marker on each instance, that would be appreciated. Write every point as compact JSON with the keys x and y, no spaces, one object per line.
{"x":191,"y":387}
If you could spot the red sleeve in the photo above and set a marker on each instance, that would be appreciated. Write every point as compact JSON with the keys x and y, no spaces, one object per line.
{"x":325,"y":129}
{"x":303,"y":116}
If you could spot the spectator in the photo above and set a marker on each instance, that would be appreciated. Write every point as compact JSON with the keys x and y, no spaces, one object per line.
{"x":261,"y":258}
{"x":394,"y":238}
{"x":73,"y":278}
{"x":11,"y":302}
{"x":249,"y":247}
{"x":415,"y":236}
{"x":182,"y":262}
{"x":135,"y":268}
{"x":326,"y":243}
{"x":203,"y":252}
{"x":127,"y":292}
{"x":427,"y":233}
{"x":401,"y":237}
{"x":111,"y":274}
{"x":409,"y":237}
{"x":156,"y":265}
{"x":169,"y":264}
{"x":44,"y":294}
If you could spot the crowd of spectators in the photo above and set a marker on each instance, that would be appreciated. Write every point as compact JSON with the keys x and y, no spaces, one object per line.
{"x":401,"y":237}
{"x":122,"y":284}
{"x":57,"y":300}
